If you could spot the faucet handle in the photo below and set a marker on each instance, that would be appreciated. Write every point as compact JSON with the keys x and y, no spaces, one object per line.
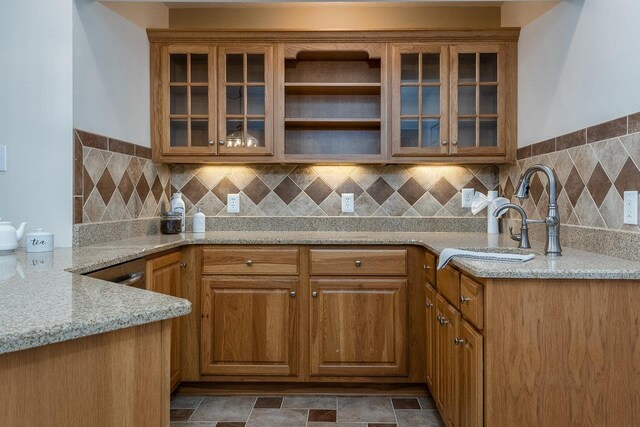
{"x":516,"y":237}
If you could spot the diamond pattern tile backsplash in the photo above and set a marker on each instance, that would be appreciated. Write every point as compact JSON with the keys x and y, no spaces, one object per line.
{"x":115,"y":180}
{"x":289,"y":190}
{"x":593,"y":174}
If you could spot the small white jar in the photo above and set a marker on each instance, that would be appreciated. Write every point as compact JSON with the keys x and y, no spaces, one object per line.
{"x":39,"y":241}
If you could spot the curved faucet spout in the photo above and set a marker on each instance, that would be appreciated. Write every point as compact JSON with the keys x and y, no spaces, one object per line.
{"x":522,"y":191}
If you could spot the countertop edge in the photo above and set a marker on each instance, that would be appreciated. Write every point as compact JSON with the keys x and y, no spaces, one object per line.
{"x":41,"y":337}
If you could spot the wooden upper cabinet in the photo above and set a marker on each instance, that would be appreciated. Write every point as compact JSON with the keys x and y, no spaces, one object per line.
{"x":334,"y":102}
{"x":184,"y":101}
{"x":482,"y":116}
{"x":437,"y":96}
{"x":245,"y":101}
{"x":455,"y":101}
{"x":420,"y":84}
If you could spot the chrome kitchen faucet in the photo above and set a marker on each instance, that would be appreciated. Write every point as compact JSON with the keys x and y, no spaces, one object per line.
{"x":552,"y":221}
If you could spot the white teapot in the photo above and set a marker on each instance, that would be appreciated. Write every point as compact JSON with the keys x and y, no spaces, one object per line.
{"x":9,"y":236}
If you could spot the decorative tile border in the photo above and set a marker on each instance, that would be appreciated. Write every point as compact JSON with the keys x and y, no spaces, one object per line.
{"x":612,"y":129}
{"x":115,"y":180}
{"x":592,"y":174}
{"x":289,"y":190}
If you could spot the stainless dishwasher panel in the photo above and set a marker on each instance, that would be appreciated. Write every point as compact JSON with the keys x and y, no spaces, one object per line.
{"x":130,"y":273}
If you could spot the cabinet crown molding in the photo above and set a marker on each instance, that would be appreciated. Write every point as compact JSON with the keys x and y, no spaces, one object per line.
{"x":172,"y":35}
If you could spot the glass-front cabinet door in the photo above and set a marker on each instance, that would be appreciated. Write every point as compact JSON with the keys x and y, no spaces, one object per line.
{"x":420,"y":81}
{"x":189,"y":100}
{"x":245,"y":101}
{"x":478,"y":85}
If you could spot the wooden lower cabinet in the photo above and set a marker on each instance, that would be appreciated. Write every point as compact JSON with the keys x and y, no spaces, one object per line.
{"x":358,"y":327}
{"x":164,"y":275}
{"x":249,"y":325}
{"x":447,"y":362}
{"x":471,"y":377}
{"x":430,"y":344}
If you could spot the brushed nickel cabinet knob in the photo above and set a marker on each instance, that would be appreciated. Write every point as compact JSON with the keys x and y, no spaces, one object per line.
{"x":221,"y":142}
{"x":293,"y":294}
{"x":458,"y":341}
{"x":314,"y":294}
{"x":211,"y":142}
{"x":249,"y":262}
{"x":358,"y":263}
{"x":464,"y":299}
{"x":183,"y":265}
{"x":444,"y":142}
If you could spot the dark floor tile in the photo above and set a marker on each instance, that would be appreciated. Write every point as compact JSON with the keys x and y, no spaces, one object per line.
{"x":268,"y":402}
{"x":381,"y":425}
{"x":180,"y":414}
{"x":322,"y":415}
{"x":405,"y":403}
{"x":228,"y":424}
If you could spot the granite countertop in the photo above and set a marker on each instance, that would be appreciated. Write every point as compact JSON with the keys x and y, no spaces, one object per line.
{"x":41,"y":303}
{"x":574,"y":264}
{"x":44,"y":299}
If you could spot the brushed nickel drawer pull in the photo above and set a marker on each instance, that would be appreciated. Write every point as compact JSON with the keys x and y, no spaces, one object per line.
{"x":464,"y":299}
{"x":183,"y":265}
{"x":458,"y":341}
{"x":426,"y":267}
{"x":429,"y":304}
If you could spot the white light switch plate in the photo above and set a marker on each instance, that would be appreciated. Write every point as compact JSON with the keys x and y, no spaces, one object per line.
{"x":467,"y":197}
{"x":3,"y":158}
{"x":233,"y":203}
{"x":348,"y":203}
{"x":631,"y":207}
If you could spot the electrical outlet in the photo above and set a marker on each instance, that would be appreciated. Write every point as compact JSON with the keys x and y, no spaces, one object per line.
{"x":3,"y":158}
{"x":233,"y":203}
{"x":467,"y":197}
{"x":348,"y":204}
{"x":631,"y":207}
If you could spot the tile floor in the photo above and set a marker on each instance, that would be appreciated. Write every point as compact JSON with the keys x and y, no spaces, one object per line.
{"x":303,"y":411}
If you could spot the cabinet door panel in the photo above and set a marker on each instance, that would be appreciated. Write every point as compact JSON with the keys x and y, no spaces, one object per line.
{"x":249,"y":325}
{"x":245,"y":112}
{"x":358,"y":327}
{"x":164,"y":275}
{"x":447,"y":361}
{"x":471,"y":382}
{"x":430,"y":347}
{"x":480,"y":83}
{"x":185,"y":112}
{"x":420,"y":88}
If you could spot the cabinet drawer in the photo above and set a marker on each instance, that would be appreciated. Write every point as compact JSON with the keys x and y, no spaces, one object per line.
{"x":472,"y":301}
{"x":250,"y":260}
{"x":378,"y":262}
{"x":448,"y":284}
{"x":430,"y":267}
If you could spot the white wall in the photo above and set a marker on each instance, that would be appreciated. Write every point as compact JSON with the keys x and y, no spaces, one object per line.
{"x":111,"y":68}
{"x":36,"y":114}
{"x":579,"y":65}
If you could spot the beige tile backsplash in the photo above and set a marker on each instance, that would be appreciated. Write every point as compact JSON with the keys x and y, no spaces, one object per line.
{"x":593,"y":174}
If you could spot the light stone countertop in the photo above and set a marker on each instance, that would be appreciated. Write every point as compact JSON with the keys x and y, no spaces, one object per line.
{"x":43,"y":298}
{"x":41,"y":303}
